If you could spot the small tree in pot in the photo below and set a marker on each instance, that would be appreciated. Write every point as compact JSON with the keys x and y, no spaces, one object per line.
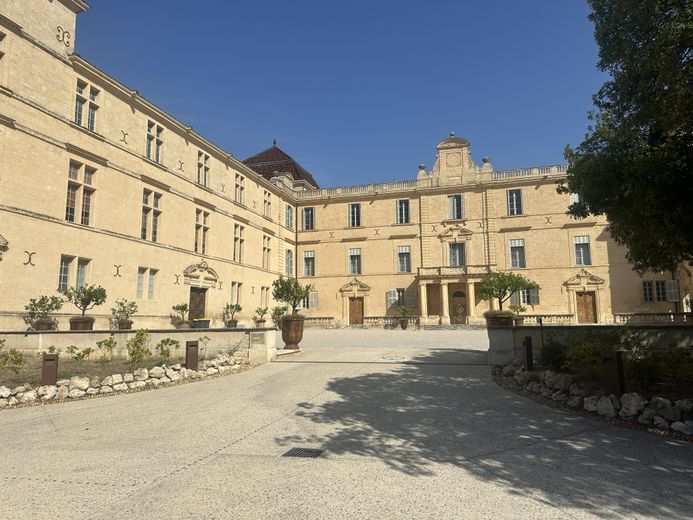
{"x":259,"y":317}
{"x":121,"y":314}
{"x":278,"y":315}
{"x":179,"y":318}
{"x":85,"y":298}
{"x":228,"y":315}
{"x":501,"y":286}
{"x":403,"y":321}
{"x":39,"y":312}
{"x":292,"y":293}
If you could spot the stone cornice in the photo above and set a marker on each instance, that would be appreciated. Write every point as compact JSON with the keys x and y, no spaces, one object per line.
{"x":76,"y":6}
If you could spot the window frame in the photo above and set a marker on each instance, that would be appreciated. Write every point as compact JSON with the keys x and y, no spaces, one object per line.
{"x":456,"y":207}
{"x":402,"y":211}
{"x":514,"y":202}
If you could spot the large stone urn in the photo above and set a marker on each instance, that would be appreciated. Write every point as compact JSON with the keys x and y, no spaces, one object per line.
{"x":292,"y":331}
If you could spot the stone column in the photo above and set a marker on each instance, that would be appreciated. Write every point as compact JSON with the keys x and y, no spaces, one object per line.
{"x":471,"y":301}
{"x":423,"y":302}
{"x":445,"y":317}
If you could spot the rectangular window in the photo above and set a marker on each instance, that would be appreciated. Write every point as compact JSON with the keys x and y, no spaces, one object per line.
{"x":80,"y":193}
{"x":514,"y":202}
{"x":311,"y":302}
{"x":455,"y":207}
{"x":354,"y":215}
{"x":517,"y":253}
{"x":268,"y":204}
{"x":309,"y":263}
{"x":403,"y":211}
{"x":525,"y":297}
{"x":202,"y":169}
{"x":79,"y":110}
{"x":86,"y":97}
{"x":404,"y":259}
{"x":289,"y":262}
{"x":582,"y":250}
{"x":661,"y":290}
{"x":264,"y":296}
{"x":457,"y":254}
{"x":575,"y":198}
{"x":82,"y":265}
{"x":151,"y":214}
{"x":239,"y":192}
{"x":155,"y":143}
{"x":308,"y":219}
{"x":91,"y":119}
{"x":647,"y":293}
{"x":201,"y":231}
{"x":152,"y":284}
{"x":236,"y":292}
{"x":141,"y":273}
{"x":355,"y":261}
{"x":266,"y":251}
{"x":64,"y":274}
{"x":289,"y":217}
{"x":672,"y":290}
{"x":238,"y":242}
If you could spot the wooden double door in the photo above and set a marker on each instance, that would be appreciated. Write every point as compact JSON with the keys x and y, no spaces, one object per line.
{"x":355,"y":311}
{"x":586,"y":304}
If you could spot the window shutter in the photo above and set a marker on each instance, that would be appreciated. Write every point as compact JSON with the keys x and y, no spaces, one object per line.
{"x":391,"y":298}
{"x":313,"y":300}
{"x":451,"y":207}
{"x":409,"y":298}
{"x":515,"y":299}
{"x":534,"y":297}
{"x":672,"y":290}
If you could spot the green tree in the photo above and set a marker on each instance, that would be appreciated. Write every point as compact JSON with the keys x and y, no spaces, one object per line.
{"x":503,"y":285}
{"x":290,"y":291}
{"x":635,"y":164}
{"x":86,"y":297}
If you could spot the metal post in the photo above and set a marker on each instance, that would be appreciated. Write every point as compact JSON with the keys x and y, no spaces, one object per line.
{"x":49,"y":369}
{"x":529,"y":354}
{"x":614,"y":381}
{"x":541,"y":330}
{"x":191,"y":355}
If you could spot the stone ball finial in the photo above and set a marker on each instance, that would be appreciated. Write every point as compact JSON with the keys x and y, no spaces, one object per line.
{"x":486,"y":159}
{"x":452,"y":134}
{"x":422,"y":166}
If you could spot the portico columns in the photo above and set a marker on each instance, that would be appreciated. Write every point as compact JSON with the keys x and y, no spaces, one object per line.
{"x":445,"y":311}
{"x":471,"y":300}
{"x":423,"y":301}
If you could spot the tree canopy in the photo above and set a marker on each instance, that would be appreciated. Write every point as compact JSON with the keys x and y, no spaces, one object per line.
{"x":635,"y":165}
{"x":503,"y":284}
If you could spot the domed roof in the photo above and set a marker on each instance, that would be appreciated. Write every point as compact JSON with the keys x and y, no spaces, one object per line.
{"x":453,"y":142}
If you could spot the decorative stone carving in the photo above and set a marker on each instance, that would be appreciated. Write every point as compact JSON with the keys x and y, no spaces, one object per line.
{"x":584,"y":279}
{"x":200,"y":275}
{"x":354,"y":286}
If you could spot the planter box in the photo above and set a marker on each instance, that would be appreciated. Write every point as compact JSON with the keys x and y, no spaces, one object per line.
{"x":44,"y":324}
{"x":200,"y":324}
{"x":124,"y":324}
{"x":500,"y":320}
{"x":82,"y":323}
{"x":231,"y":324}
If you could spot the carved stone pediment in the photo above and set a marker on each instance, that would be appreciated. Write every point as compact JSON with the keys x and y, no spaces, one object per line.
{"x":455,"y":233}
{"x":200,"y":275}
{"x":583,"y":279}
{"x":355,"y":286}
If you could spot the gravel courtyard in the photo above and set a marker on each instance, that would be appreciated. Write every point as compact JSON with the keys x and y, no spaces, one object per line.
{"x":411,"y":423}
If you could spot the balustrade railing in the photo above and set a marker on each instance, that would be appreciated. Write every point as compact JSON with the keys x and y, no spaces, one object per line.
{"x":548,"y":319}
{"x":320,"y":321}
{"x":655,"y":318}
{"x":390,"y":322}
{"x":450,"y":271}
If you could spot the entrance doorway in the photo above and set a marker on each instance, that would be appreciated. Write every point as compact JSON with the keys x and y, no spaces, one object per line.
{"x":586,"y":304}
{"x":198,"y":298}
{"x":355,"y":311}
{"x":458,"y":307}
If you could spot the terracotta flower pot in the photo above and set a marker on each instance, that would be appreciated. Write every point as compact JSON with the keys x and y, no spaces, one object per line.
{"x":184,"y":325}
{"x":260,"y":323}
{"x":292,"y":331}
{"x":44,"y":324}
{"x":124,"y":324}
{"x":404,"y":323}
{"x":231,"y":324}
{"x":82,"y":323}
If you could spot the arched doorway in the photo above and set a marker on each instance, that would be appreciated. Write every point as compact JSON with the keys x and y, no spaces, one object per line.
{"x":458,"y":307}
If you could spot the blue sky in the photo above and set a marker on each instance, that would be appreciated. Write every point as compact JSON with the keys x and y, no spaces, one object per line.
{"x":358,"y":91}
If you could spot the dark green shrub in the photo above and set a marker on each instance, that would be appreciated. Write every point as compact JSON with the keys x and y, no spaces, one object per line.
{"x":553,"y":354}
{"x":676,"y":365}
{"x":11,"y":360}
{"x":164,"y":346}
{"x":138,"y":346}
{"x":584,"y":356}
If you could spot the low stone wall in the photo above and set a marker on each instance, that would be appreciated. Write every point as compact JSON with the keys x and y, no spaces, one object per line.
{"x":257,"y":344}
{"x":79,"y":387}
{"x":661,"y":337}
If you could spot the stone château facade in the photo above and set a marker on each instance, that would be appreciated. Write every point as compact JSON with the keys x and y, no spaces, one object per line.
{"x":98,"y":185}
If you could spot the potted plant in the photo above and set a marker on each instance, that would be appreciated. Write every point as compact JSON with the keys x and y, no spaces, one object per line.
{"x":517,"y":310}
{"x":501,"y":286}
{"x":84,"y":298}
{"x":278,"y":315}
{"x":228,"y":315}
{"x":121,"y":314}
{"x":179,"y":318}
{"x":292,"y":293}
{"x":259,"y":317}
{"x":403,"y":321}
{"x":39,"y":312}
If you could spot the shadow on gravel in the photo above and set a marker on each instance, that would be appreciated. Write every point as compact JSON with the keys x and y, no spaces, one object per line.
{"x":412,"y":416}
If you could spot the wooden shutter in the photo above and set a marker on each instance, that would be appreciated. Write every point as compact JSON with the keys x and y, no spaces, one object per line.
{"x":391,"y":298}
{"x":313,"y":300}
{"x":534,"y":297}
{"x":672,"y":287}
{"x":515,"y":299}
